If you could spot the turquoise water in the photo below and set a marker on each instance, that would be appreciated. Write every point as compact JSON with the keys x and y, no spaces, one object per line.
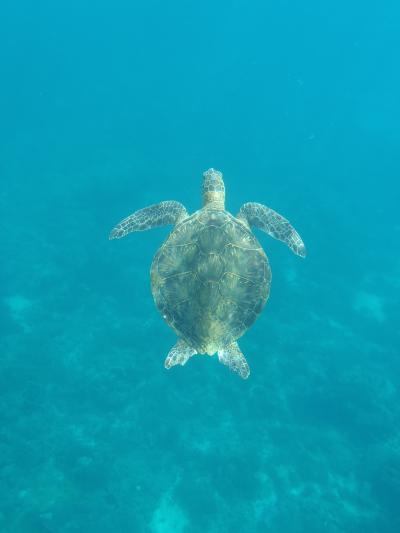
{"x":107,"y":107}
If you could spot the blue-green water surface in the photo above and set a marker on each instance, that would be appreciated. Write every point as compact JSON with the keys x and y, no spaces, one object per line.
{"x":106,"y":107}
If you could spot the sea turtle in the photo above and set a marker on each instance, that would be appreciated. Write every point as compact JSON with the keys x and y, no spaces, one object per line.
{"x":211,"y":278}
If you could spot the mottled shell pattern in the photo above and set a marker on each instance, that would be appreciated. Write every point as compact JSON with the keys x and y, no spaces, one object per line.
{"x":210,"y":279}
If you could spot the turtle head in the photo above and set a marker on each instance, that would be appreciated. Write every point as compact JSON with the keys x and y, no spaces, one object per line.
{"x":213,"y":189}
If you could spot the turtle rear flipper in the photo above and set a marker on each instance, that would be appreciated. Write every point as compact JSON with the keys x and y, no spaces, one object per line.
{"x":268,"y":220}
{"x":179,"y":354}
{"x":232,"y":356}
{"x":153,"y":216}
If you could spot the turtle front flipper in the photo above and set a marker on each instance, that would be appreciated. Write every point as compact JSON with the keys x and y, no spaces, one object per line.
{"x":232,"y":356}
{"x":268,"y":220}
{"x":179,"y":354}
{"x":155,"y":215}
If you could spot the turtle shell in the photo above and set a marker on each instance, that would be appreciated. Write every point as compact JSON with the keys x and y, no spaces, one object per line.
{"x":210,"y":280}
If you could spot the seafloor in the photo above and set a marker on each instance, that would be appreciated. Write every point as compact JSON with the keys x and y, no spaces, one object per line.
{"x":96,"y":436}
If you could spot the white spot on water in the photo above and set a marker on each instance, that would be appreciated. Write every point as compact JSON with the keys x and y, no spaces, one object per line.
{"x":18,"y":307}
{"x":168,"y":517}
{"x":369,"y":305}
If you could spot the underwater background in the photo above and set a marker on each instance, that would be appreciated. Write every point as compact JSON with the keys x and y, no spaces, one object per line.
{"x":106,"y":107}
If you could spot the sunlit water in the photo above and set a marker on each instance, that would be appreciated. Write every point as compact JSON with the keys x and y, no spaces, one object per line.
{"x":108,"y":107}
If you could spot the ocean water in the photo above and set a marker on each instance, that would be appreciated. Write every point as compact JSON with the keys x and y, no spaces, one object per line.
{"x":106,"y":107}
